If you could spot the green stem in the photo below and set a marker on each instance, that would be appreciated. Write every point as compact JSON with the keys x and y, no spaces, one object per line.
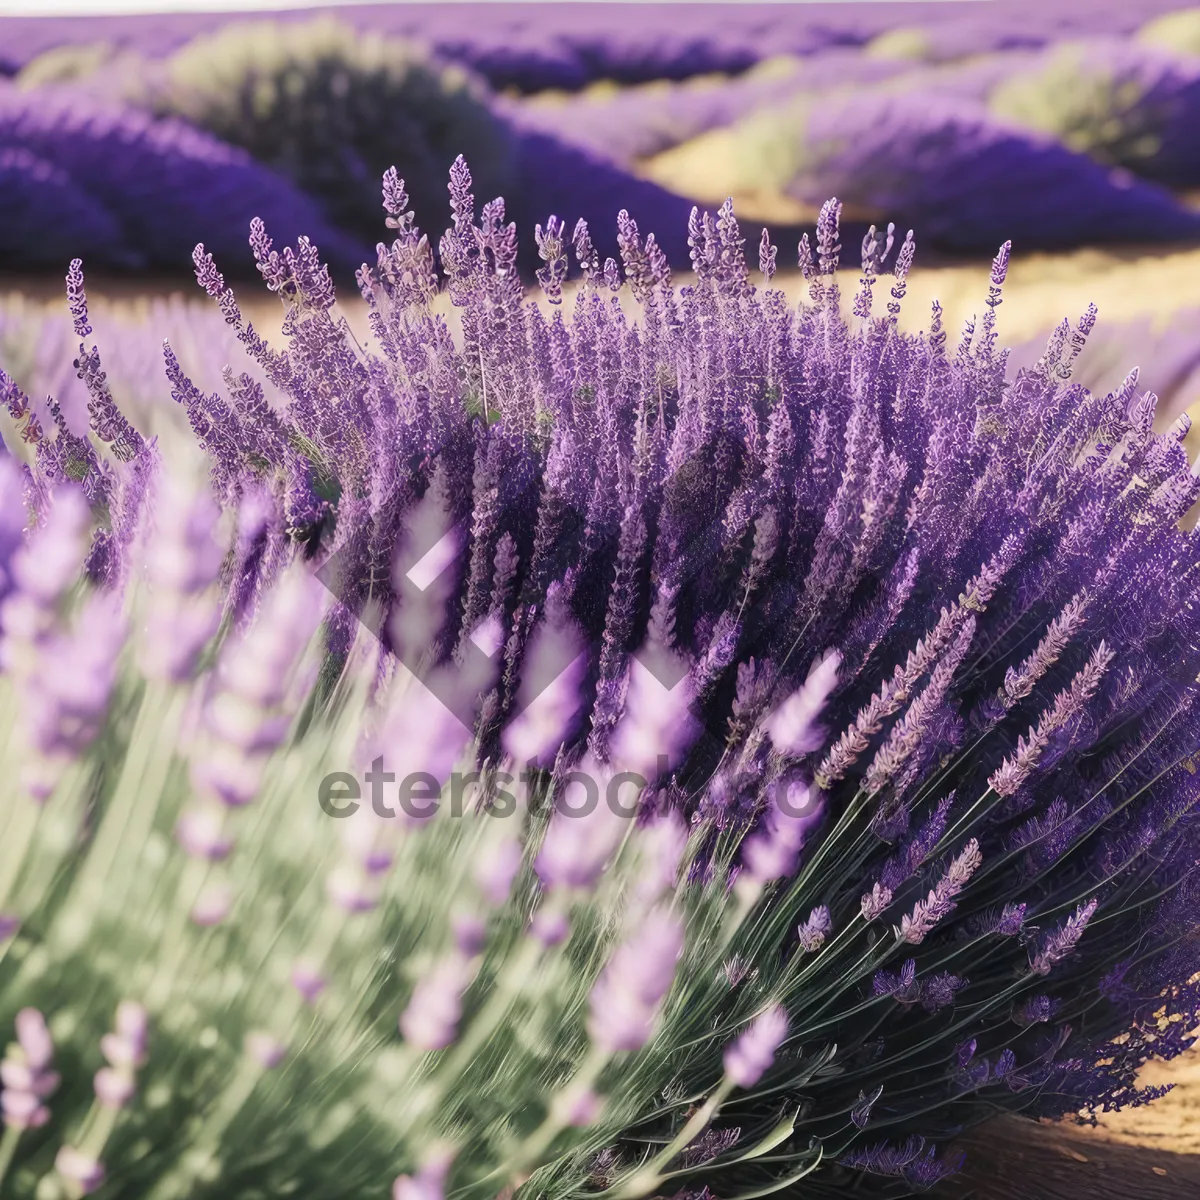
{"x":642,"y":1182}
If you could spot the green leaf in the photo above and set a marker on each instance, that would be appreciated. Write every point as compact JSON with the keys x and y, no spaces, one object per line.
{"x":780,"y":1184}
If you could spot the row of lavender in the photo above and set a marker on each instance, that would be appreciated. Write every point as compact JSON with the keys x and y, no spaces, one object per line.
{"x":148,"y":137}
{"x":895,"y":654}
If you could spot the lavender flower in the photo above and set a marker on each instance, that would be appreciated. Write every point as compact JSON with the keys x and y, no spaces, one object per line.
{"x":25,"y":1073}
{"x":625,"y":1000}
{"x":1055,"y":947}
{"x":752,"y":1055}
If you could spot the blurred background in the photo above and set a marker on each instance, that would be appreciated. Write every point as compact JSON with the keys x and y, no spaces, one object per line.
{"x":1071,"y":127}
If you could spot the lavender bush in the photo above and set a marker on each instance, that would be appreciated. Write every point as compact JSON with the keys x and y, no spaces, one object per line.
{"x":1124,"y":105}
{"x":330,"y":109}
{"x":931,"y":156}
{"x":133,"y":191}
{"x":899,"y":649}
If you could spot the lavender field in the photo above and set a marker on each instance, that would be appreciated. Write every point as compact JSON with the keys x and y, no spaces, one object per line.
{"x":600,"y":602}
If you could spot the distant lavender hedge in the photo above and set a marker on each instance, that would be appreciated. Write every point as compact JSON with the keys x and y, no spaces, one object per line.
{"x":331,"y":109}
{"x":1126,"y":105}
{"x":135,"y":191}
{"x":941,"y":161}
{"x":536,"y":46}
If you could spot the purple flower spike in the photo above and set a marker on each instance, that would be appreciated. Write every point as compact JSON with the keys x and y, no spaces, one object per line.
{"x":9,"y":924}
{"x":26,"y":1079}
{"x":265,"y":1050}
{"x":308,"y":980}
{"x":430,"y":1022}
{"x":80,"y":1169}
{"x":584,"y":831}
{"x":496,"y":867}
{"x":626,"y":997}
{"x":1063,"y":940}
{"x":774,"y":850}
{"x":549,"y":928}
{"x":813,"y":932}
{"x":749,"y":1058}
{"x":793,"y":726}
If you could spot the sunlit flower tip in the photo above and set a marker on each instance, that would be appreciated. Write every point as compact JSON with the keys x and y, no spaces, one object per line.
{"x":34,"y":1038}
{"x":470,"y":934}
{"x":793,"y":725}
{"x":54,"y":557}
{"x":308,"y":980}
{"x":201,"y":833}
{"x":813,"y":932}
{"x":22,"y":1109}
{"x":9,"y":924}
{"x":625,"y":1000}
{"x":549,"y":928}
{"x":578,"y":1107}
{"x":228,"y":775}
{"x":114,"y":1089}
{"x":583,"y":833}
{"x":262,"y":1048}
{"x":430,"y":1022}
{"x":496,"y":867}
{"x":351,"y":889}
{"x":213,"y":905}
{"x":663,"y":843}
{"x":85,"y":1172}
{"x":243,"y":724}
{"x":749,"y":1058}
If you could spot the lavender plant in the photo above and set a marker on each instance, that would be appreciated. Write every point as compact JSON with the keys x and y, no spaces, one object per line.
{"x":893,"y":655}
{"x":330,"y":108}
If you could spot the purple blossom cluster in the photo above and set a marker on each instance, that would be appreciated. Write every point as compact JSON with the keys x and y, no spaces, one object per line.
{"x":901,"y":645}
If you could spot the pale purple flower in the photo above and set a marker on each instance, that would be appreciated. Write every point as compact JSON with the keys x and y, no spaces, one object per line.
{"x":308,"y":980}
{"x":268,"y":1052}
{"x":430,"y":1022}
{"x":749,"y":1058}
{"x":1059,"y":944}
{"x":940,"y":901}
{"x":813,"y":932}
{"x":773,"y":851}
{"x":584,"y":831}
{"x":213,"y":905}
{"x":626,"y":998}
{"x":495,"y":868}
{"x":662,"y":845}
{"x":26,"y":1079}
{"x":82,"y":1170}
{"x":544,"y":725}
{"x":875,"y":902}
{"x":793,"y":725}
{"x":351,"y":888}
{"x":549,"y":927}
{"x":470,"y":934}
{"x":114,"y":1089}
{"x":656,"y":727}
{"x":202,"y":834}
